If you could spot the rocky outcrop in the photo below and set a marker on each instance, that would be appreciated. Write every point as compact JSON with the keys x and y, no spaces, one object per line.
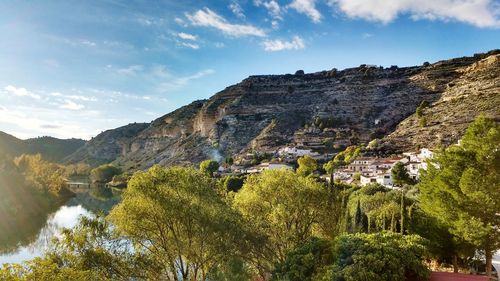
{"x":355,"y":105}
{"x":107,"y":146}
{"x":475,"y":91}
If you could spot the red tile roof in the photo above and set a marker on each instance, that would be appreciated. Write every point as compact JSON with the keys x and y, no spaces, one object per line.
{"x":446,"y":276}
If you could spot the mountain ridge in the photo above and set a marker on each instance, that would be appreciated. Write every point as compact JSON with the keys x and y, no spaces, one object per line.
{"x":265,"y":112}
{"x":52,"y":149}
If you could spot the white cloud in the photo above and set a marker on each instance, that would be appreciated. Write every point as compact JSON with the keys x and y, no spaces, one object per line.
{"x":88,"y":43}
{"x":273,"y":8}
{"x":208,"y":18}
{"x":187,"y":36}
{"x":307,"y":7}
{"x":130,"y":70}
{"x":481,"y":13}
{"x":236,"y":9}
{"x":69,"y":104}
{"x":279,"y":45}
{"x":190,"y":45}
{"x":366,"y":35}
{"x":180,"y":82}
{"x":27,"y":126}
{"x":74,"y":97}
{"x":21,"y":92}
{"x":219,"y":45}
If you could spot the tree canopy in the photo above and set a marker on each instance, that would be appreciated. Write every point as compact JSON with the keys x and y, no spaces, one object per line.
{"x":307,"y":166}
{"x":284,"y":207}
{"x":175,"y":216}
{"x":209,"y":167}
{"x":460,"y":187}
{"x":104,"y":173}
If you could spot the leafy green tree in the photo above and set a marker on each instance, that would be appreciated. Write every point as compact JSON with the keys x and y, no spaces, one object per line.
{"x":460,"y":187}
{"x":305,"y":262}
{"x":45,"y":269}
{"x":341,"y":159}
{"x":400,"y":175}
{"x":284,"y":207}
{"x":307,"y":166}
{"x":209,"y":167}
{"x":41,"y":174}
{"x":104,"y":173}
{"x":176,"y":217}
{"x":382,"y":256}
{"x":233,"y":183}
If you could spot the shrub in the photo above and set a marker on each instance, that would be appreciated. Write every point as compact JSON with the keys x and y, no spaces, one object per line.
{"x":104,"y":173}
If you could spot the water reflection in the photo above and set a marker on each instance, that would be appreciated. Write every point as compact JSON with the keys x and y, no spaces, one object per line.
{"x":86,"y":202}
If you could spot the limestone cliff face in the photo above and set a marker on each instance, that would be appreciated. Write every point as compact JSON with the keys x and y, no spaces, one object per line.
{"x":107,"y":146}
{"x":268,"y":111}
{"x":475,"y":91}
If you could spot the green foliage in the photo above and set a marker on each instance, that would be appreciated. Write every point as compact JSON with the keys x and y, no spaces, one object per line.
{"x":422,"y":121}
{"x":209,"y":167}
{"x":307,"y":166}
{"x":176,"y":217}
{"x":285,"y":208}
{"x":304,"y":262}
{"x":460,"y":186}
{"x":79,"y":169}
{"x":373,"y":144}
{"x":343,"y":158}
{"x":377,"y":257}
{"x":373,"y":208}
{"x":400,"y":175}
{"x":45,"y":269}
{"x":104,"y":173}
{"x":41,"y":174}
{"x":233,"y":183}
{"x":229,"y":160}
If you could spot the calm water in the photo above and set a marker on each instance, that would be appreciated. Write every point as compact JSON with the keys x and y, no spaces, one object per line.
{"x":87,"y":202}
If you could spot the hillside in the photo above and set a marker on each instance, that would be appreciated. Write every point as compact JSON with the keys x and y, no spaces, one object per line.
{"x":476,"y":90}
{"x":52,"y":149}
{"x":107,"y":146}
{"x":263,"y":113}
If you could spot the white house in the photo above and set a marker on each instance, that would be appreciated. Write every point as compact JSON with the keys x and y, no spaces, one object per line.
{"x":296,"y":152}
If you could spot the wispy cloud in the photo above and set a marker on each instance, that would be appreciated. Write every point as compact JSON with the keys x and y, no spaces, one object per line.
{"x":88,"y":43}
{"x":21,"y":92}
{"x":366,"y":35}
{"x":279,"y":45}
{"x":481,"y":13}
{"x":190,"y":45}
{"x":273,"y":7}
{"x":69,"y":104}
{"x":208,"y":18}
{"x":74,"y":97}
{"x":130,"y":70}
{"x":307,"y":7}
{"x":180,"y":82}
{"x":236,"y":9}
{"x":187,"y":36}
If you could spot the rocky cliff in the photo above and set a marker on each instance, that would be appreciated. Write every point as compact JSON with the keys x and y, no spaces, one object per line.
{"x":476,"y":90}
{"x":107,"y":146}
{"x":265,"y":112}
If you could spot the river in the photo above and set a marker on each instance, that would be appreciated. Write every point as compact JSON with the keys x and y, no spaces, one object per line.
{"x":86,"y":202}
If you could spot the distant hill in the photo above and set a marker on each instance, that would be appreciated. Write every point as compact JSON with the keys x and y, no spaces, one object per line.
{"x":52,"y":149}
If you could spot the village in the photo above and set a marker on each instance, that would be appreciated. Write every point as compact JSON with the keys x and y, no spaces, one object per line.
{"x":362,"y":170}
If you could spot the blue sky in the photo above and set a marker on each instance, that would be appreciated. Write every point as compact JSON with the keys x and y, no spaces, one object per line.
{"x":76,"y":68}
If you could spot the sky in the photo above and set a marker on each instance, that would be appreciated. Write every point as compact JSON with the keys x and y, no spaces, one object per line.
{"x":77,"y":68}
